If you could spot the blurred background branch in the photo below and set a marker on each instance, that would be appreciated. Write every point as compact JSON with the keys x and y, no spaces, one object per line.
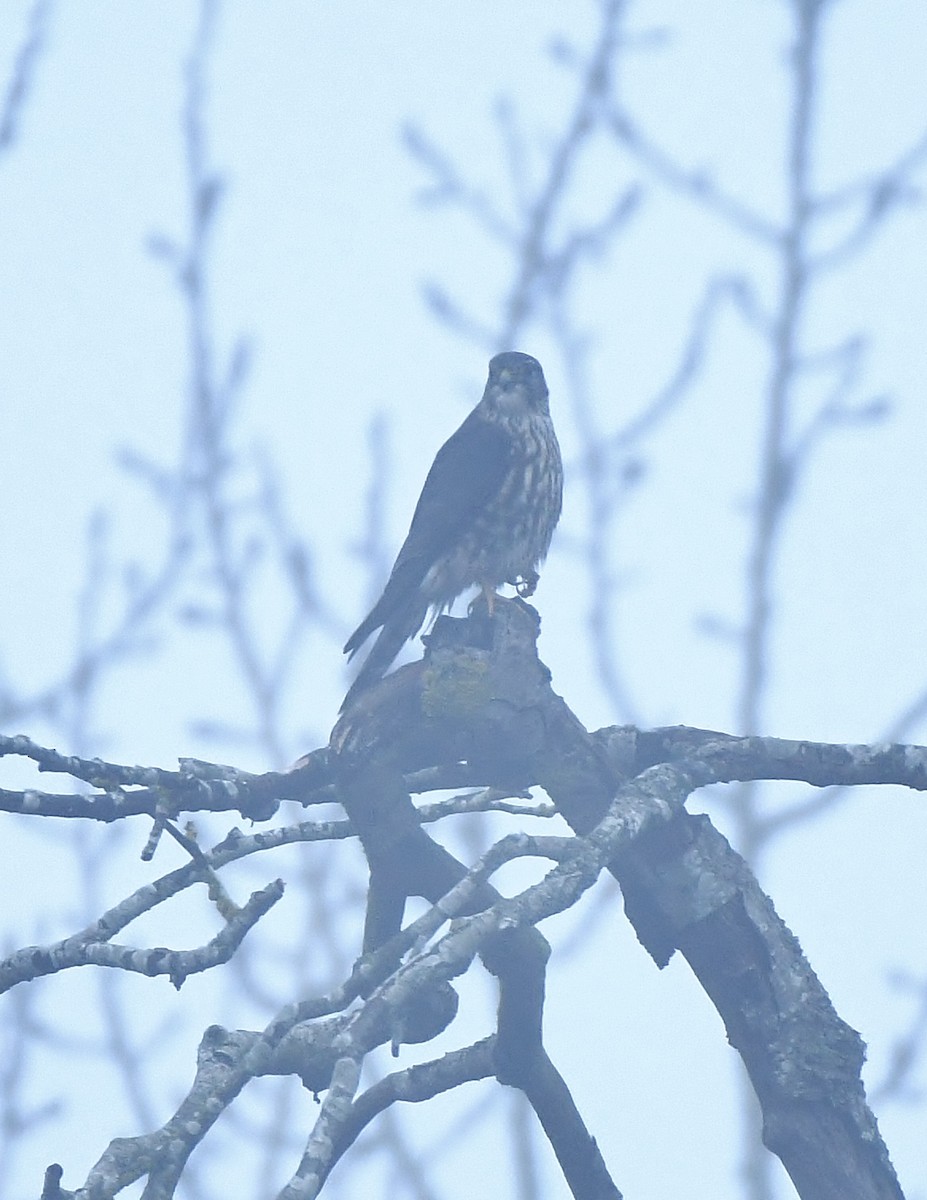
{"x":708,"y":227}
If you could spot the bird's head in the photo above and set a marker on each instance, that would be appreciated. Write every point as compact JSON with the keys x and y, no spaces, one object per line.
{"x":516,"y":385}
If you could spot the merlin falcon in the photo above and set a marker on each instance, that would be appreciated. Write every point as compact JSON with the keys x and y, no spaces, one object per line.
{"x":485,"y":517}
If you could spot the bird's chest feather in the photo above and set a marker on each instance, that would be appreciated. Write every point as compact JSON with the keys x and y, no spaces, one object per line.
{"x":510,"y":534}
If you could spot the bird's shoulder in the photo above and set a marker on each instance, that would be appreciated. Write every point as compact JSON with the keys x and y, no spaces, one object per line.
{"x":479,"y":451}
{"x":467,"y":473}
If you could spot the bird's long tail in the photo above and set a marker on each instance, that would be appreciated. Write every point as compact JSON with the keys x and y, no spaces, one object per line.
{"x":396,"y":631}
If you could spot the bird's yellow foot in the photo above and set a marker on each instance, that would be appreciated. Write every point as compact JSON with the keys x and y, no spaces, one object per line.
{"x":487,"y":593}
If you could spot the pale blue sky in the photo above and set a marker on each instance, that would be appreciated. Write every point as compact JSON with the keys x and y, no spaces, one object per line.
{"x":320,"y":257}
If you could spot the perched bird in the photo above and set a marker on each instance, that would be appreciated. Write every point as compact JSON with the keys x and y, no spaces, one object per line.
{"x":485,"y":517}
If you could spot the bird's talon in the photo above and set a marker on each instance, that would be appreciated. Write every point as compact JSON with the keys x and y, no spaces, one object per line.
{"x":526,"y":585}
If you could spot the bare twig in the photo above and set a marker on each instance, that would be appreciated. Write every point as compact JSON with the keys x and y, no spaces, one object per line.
{"x":22,"y":78}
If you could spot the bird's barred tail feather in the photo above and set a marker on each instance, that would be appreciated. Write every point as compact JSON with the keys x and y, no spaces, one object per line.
{"x":397,"y":630}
